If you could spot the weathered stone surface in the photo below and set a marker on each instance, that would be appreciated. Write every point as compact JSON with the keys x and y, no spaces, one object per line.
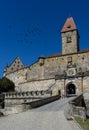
{"x":35,"y":85}
{"x":14,"y":66}
{"x":38,"y":77}
{"x":72,"y":46}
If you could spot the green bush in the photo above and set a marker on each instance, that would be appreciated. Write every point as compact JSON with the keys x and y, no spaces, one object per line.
{"x":6,"y":85}
{"x":2,"y":104}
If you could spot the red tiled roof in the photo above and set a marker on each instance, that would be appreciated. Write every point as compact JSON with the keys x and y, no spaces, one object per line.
{"x":69,"y":25}
{"x":59,"y":55}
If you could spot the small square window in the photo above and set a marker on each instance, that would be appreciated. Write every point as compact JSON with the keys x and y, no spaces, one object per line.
{"x":68,"y":39}
{"x":18,"y":66}
{"x":69,"y":59}
{"x":11,"y":68}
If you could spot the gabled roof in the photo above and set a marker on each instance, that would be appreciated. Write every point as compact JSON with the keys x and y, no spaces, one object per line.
{"x":69,"y":25}
{"x":17,"y":58}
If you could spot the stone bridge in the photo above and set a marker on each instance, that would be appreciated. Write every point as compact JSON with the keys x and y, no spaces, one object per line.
{"x":48,"y":117}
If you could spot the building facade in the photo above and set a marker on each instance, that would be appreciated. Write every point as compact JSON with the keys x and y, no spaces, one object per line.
{"x":67,"y":72}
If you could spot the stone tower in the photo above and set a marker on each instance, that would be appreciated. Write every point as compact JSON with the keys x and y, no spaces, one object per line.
{"x":70,"y":37}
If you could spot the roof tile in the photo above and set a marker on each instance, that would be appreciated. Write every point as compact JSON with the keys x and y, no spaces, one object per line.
{"x":69,"y":25}
{"x":59,"y":55}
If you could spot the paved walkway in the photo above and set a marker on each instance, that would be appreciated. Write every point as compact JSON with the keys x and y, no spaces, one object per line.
{"x":48,"y":117}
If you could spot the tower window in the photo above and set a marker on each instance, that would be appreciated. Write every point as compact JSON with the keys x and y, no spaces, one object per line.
{"x":69,"y":39}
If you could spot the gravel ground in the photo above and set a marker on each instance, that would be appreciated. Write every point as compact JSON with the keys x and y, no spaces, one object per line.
{"x":48,"y":117}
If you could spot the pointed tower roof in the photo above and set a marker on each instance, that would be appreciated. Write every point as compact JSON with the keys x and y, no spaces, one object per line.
{"x":69,"y":25}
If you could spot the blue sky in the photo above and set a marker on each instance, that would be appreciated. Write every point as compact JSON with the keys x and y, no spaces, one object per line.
{"x":31,"y":28}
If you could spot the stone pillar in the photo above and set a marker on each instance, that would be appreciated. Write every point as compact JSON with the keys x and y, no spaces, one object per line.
{"x":64,"y":87}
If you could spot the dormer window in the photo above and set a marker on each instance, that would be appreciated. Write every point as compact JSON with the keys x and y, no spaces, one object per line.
{"x":69,"y":26}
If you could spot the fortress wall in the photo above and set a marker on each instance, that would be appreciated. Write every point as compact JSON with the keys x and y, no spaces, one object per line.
{"x":18,"y":76}
{"x":86,"y":84}
{"x":34,"y":77}
{"x":35,"y":85}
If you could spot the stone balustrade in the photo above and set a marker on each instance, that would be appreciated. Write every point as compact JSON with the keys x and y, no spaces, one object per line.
{"x":28,"y":94}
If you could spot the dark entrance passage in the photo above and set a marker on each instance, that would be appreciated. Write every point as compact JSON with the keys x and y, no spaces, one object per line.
{"x":70,"y":90}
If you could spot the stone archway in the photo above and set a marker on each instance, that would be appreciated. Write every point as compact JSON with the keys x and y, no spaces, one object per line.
{"x":70,"y":90}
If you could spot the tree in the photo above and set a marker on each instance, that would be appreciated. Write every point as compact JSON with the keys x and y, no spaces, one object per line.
{"x":6,"y":85}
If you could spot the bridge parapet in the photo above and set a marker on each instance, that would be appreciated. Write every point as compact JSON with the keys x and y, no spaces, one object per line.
{"x":28,"y":94}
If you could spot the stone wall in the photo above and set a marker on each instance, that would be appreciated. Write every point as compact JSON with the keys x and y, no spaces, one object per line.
{"x":72,"y":46}
{"x":52,"y":66}
{"x":86,"y":98}
{"x":82,"y":85}
{"x":15,"y":65}
{"x":18,"y":76}
{"x":35,"y":85}
{"x":40,"y":76}
{"x":35,"y":72}
{"x":57,"y":65}
{"x":86,"y":84}
{"x":78,"y":107}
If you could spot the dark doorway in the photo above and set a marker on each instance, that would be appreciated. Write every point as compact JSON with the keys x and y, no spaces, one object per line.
{"x":71,"y":90}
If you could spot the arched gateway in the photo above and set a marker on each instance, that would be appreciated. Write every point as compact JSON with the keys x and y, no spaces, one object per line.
{"x":70,"y":90}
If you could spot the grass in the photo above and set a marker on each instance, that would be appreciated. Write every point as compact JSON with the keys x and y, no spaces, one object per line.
{"x":84,"y":125}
